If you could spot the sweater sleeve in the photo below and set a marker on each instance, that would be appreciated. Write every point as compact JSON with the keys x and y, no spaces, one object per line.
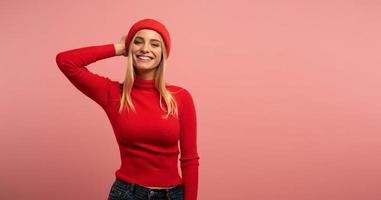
{"x":189,"y":159}
{"x":72,"y":64}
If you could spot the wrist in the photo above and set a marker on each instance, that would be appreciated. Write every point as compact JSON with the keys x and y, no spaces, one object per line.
{"x":119,"y":48}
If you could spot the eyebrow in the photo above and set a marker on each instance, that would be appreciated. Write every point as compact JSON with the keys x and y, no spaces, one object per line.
{"x":143,"y":38}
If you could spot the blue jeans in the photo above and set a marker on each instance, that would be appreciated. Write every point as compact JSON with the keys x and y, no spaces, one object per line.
{"x":122,"y":190}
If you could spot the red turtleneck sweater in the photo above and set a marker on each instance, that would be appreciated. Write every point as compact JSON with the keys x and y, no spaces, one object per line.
{"x":148,"y":144}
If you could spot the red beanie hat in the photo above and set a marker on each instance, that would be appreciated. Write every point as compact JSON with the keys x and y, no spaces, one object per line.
{"x":153,"y":25}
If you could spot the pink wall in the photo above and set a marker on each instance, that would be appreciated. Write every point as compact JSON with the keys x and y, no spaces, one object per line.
{"x":287,"y":94}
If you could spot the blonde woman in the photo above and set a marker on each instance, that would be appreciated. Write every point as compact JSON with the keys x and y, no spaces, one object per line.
{"x":149,"y":117}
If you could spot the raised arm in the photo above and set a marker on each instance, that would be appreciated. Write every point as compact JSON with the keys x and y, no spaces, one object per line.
{"x":189,"y":159}
{"x":72,"y":64}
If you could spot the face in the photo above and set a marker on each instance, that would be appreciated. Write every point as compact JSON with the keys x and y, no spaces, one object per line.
{"x":146,"y":50}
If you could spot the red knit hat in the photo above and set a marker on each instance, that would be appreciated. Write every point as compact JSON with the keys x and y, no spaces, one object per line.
{"x":149,"y":24}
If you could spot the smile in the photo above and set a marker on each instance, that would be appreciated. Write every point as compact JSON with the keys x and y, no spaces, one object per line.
{"x":144,"y":58}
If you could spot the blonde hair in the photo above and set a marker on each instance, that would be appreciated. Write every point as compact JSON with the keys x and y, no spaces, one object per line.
{"x":170,"y":102}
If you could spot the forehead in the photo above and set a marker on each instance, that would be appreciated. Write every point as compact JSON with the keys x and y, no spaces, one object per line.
{"x":148,"y":34}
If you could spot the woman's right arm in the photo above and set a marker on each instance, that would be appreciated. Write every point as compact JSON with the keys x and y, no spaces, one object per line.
{"x":72,"y":64}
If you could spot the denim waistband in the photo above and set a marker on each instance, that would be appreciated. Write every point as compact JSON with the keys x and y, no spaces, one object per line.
{"x":133,"y":187}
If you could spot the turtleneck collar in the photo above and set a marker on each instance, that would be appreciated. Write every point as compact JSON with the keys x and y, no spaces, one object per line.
{"x":141,"y":83}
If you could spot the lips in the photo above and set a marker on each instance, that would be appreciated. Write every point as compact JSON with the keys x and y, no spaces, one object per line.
{"x":144,"y":57}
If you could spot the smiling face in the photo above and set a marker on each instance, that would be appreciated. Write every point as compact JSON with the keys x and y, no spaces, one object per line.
{"x":146,"y":50}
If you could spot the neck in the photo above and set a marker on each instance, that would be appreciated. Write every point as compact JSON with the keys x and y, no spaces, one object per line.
{"x":144,"y":83}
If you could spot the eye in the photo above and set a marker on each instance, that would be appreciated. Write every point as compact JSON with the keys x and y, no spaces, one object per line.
{"x":137,"y":42}
{"x":156,"y":45}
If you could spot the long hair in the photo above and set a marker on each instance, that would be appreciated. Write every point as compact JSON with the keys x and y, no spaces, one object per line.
{"x":170,"y":102}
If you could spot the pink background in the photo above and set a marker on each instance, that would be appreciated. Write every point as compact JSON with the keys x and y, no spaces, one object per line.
{"x":287,"y":95}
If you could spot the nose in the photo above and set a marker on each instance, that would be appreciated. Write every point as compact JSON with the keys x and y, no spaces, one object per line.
{"x":145,"y":48}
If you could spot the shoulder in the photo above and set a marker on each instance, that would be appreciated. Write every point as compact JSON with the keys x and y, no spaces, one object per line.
{"x":187,"y":108}
{"x":179,"y":91}
{"x":116,"y":85}
{"x":115,"y":89}
{"x":183,"y":96}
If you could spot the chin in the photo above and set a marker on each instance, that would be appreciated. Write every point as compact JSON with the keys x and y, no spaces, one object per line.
{"x":144,"y":67}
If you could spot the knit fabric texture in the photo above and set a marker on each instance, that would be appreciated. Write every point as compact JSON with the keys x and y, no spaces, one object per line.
{"x":148,"y":144}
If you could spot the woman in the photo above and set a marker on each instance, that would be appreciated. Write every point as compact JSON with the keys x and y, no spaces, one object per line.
{"x":148,"y":116}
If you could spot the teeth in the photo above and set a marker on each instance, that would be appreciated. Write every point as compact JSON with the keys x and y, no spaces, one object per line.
{"x":144,"y":57}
